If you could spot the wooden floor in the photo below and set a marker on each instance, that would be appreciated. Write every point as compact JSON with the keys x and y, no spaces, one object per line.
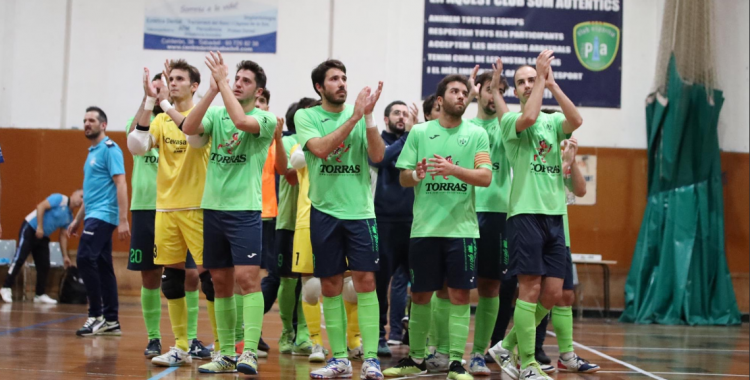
{"x":39,"y":342}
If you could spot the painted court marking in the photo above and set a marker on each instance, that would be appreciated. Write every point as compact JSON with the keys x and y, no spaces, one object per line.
{"x":37,"y":325}
{"x":164,"y":373}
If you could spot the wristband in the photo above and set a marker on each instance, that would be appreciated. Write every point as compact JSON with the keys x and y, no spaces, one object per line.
{"x":149,"y":104}
{"x":369,"y":123}
{"x":165,"y":105}
{"x":414,"y":176}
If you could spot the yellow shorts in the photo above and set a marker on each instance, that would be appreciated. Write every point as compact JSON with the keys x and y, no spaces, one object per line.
{"x":302,"y":261}
{"x":176,"y":232}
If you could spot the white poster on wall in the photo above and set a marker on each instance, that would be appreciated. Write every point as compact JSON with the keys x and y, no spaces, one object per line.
{"x":247,"y":26}
{"x":587,"y":164}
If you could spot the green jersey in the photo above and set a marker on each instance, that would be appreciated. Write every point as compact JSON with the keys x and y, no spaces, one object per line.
{"x":445,"y":206}
{"x":495,"y":197}
{"x":143,"y":180}
{"x":235,"y":164}
{"x":534,"y":155}
{"x":340,"y":183}
{"x":287,"y":216}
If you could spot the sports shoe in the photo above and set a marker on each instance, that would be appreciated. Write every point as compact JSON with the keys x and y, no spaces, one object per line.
{"x":437,"y":362}
{"x":247,"y":363}
{"x":534,"y":372}
{"x":383,"y":349}
{"x":458,"y":372}
{"x":153,"y":348}
{"x":302,"y":349}
{"x":317,"y":355}
{"x":507,"y":360}
{"x":548,"y":368}
{"x":7,"y":295}
{"x":405,"y":367}
{"x":334,"y":369}
{"x":175,"y":357}
{"x":44,"y":299}
{"x":261,"y":354}
{"x":394,"y":342}
{"x":198,"y":351}
{"x":356,"y":353}
{"x":488,"y":358}
{"x":263,"y":346}
{"x":109,"y":328}
{"x":371,"y":370}
{"x":576,"y":364}
{"x":541,"y":357}
{"x":91,"y":325}
{"x":286,"y":342}
{"x":478,"y":366}
{"x":219,"y":364}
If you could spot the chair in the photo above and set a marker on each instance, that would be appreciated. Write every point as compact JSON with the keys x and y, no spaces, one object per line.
{"x":55,"y":261}
{"x":7,"y":251}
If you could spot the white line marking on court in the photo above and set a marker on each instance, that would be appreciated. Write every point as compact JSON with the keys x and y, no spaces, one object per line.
{"x":679,"y":373}
{"x":634,"y":368}
{"x":703,"y":350}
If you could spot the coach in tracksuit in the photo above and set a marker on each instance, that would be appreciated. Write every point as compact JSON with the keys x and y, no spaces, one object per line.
{"x":393,"y":212}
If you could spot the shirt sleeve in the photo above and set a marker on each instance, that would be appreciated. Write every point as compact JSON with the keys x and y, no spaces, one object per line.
{"x":408,"y":157}
{"x":508,"y":126}
{"x":115,"y":163}
{"x":482,"y":154}
{"x":558,"y":118}
{"x":306,"y":128}
{"x":55,"y":200}
{"x":208,"y":120}
{"x":267,"y":123}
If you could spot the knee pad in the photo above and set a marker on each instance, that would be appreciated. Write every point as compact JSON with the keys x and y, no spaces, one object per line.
{"x":310,"y":289}
{"x":173,"y":283}
{"x":207,"y":285}
{"x":349,"y":294}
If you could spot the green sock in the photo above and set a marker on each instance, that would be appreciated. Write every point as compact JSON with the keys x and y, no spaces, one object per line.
{"x":192,"y":308}
{"x":224,"y":309}
{"x":432,"y":335}
{"x":511,"y":340}
{"x":333,"y":312}
{"x":253,"y":319}
{"x":151,"y":306}
{"x":239,"y":330}
{"x":460,"y":318}
{"x":562,"y":321}
{"x":484,"y":323}
{"x":525,"y":319}
{"x":442,"y":316}
{"x":368,"y":317}
{"x":286,"y":302}
{"x":303,"y":334}
{"x":419,"y":324}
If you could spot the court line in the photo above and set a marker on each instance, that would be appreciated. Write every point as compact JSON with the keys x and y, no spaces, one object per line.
{"x":34,"y":326}
{"x":680,"y":373}
{"x":163,"y":373}
{"x":620,"y":362}
{"x":670,"y":349}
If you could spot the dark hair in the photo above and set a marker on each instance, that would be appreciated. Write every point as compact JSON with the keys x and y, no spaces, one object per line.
{"x":486,"y":76}
{"x":260,"y":74}
{"x":318,"y":75}
{"x":443,"y":85}
{"x":266,"y":94}
{"x":393,"y":103}
{"x":156,"y":77}
{"x":519,"y":68}
{"x":102,"y":116}
{"x":302,"y":104}
{"x":428,"y":104}
{"x":195,"y":75}
{"x":550,"y":110}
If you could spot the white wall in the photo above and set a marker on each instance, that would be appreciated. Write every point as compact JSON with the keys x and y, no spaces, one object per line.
{"x":377,"y":40}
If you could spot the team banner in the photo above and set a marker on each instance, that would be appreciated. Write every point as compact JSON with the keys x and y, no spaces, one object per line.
{"x":584,"y":34}
{"x":247,"y":26}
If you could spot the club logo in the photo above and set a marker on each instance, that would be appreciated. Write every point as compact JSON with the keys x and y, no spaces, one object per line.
{"x":542,"y":150}
{"x":596,"y":44}
{"x":338,"y":152}
{"x":233,"y":143}
{"x":450,"y":160}
{"x":462,"y":140}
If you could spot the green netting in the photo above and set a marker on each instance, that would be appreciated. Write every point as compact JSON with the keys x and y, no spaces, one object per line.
{"x":679,"y":272}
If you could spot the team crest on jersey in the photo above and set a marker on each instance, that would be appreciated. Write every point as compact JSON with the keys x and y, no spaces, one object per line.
{"x":233,"y":143}
{"x":542,"y":150}
{"x":338,"y":152}
{"x":463,"y":140}
{"x":450,"y":160}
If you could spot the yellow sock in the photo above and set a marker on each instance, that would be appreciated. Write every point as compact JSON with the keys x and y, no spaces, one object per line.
{"x":178,"y":316}
{"x":353,"y":337}
{"x":312,"y":316}
{"x":212,"y":319}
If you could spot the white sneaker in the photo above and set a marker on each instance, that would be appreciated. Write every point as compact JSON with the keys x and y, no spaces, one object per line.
{"x":478,"y":366}
{"x":437,"y":362}
{"x":394,"y":342}
{"x":534,"y":372}
{"x":175,"y":357}
{"x":356,"y":353}
{"x":336,"y":368}
{"x":262,"y":354}
{"x":318,"y":354}
{"x":507,"y":360}
{"x":371,"y":370}
{"x":44,"y":299}
{"x":7,"y":295}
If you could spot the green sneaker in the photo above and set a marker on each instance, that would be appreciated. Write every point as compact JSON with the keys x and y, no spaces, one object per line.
{"x":219,"y":364}
{"x":457,"y":372}
{"x":302,"y":349}
{"x":286,"y":342}
{"x":406,"y":367}
{"x":247,"y":363}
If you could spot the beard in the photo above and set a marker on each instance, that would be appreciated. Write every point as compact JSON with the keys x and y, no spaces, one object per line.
{"x":453,"y":110}
{"x":393,"y":127}
{"x":93,"y":135}
{"x":489,"y":110}
{"x":333,"y":97}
